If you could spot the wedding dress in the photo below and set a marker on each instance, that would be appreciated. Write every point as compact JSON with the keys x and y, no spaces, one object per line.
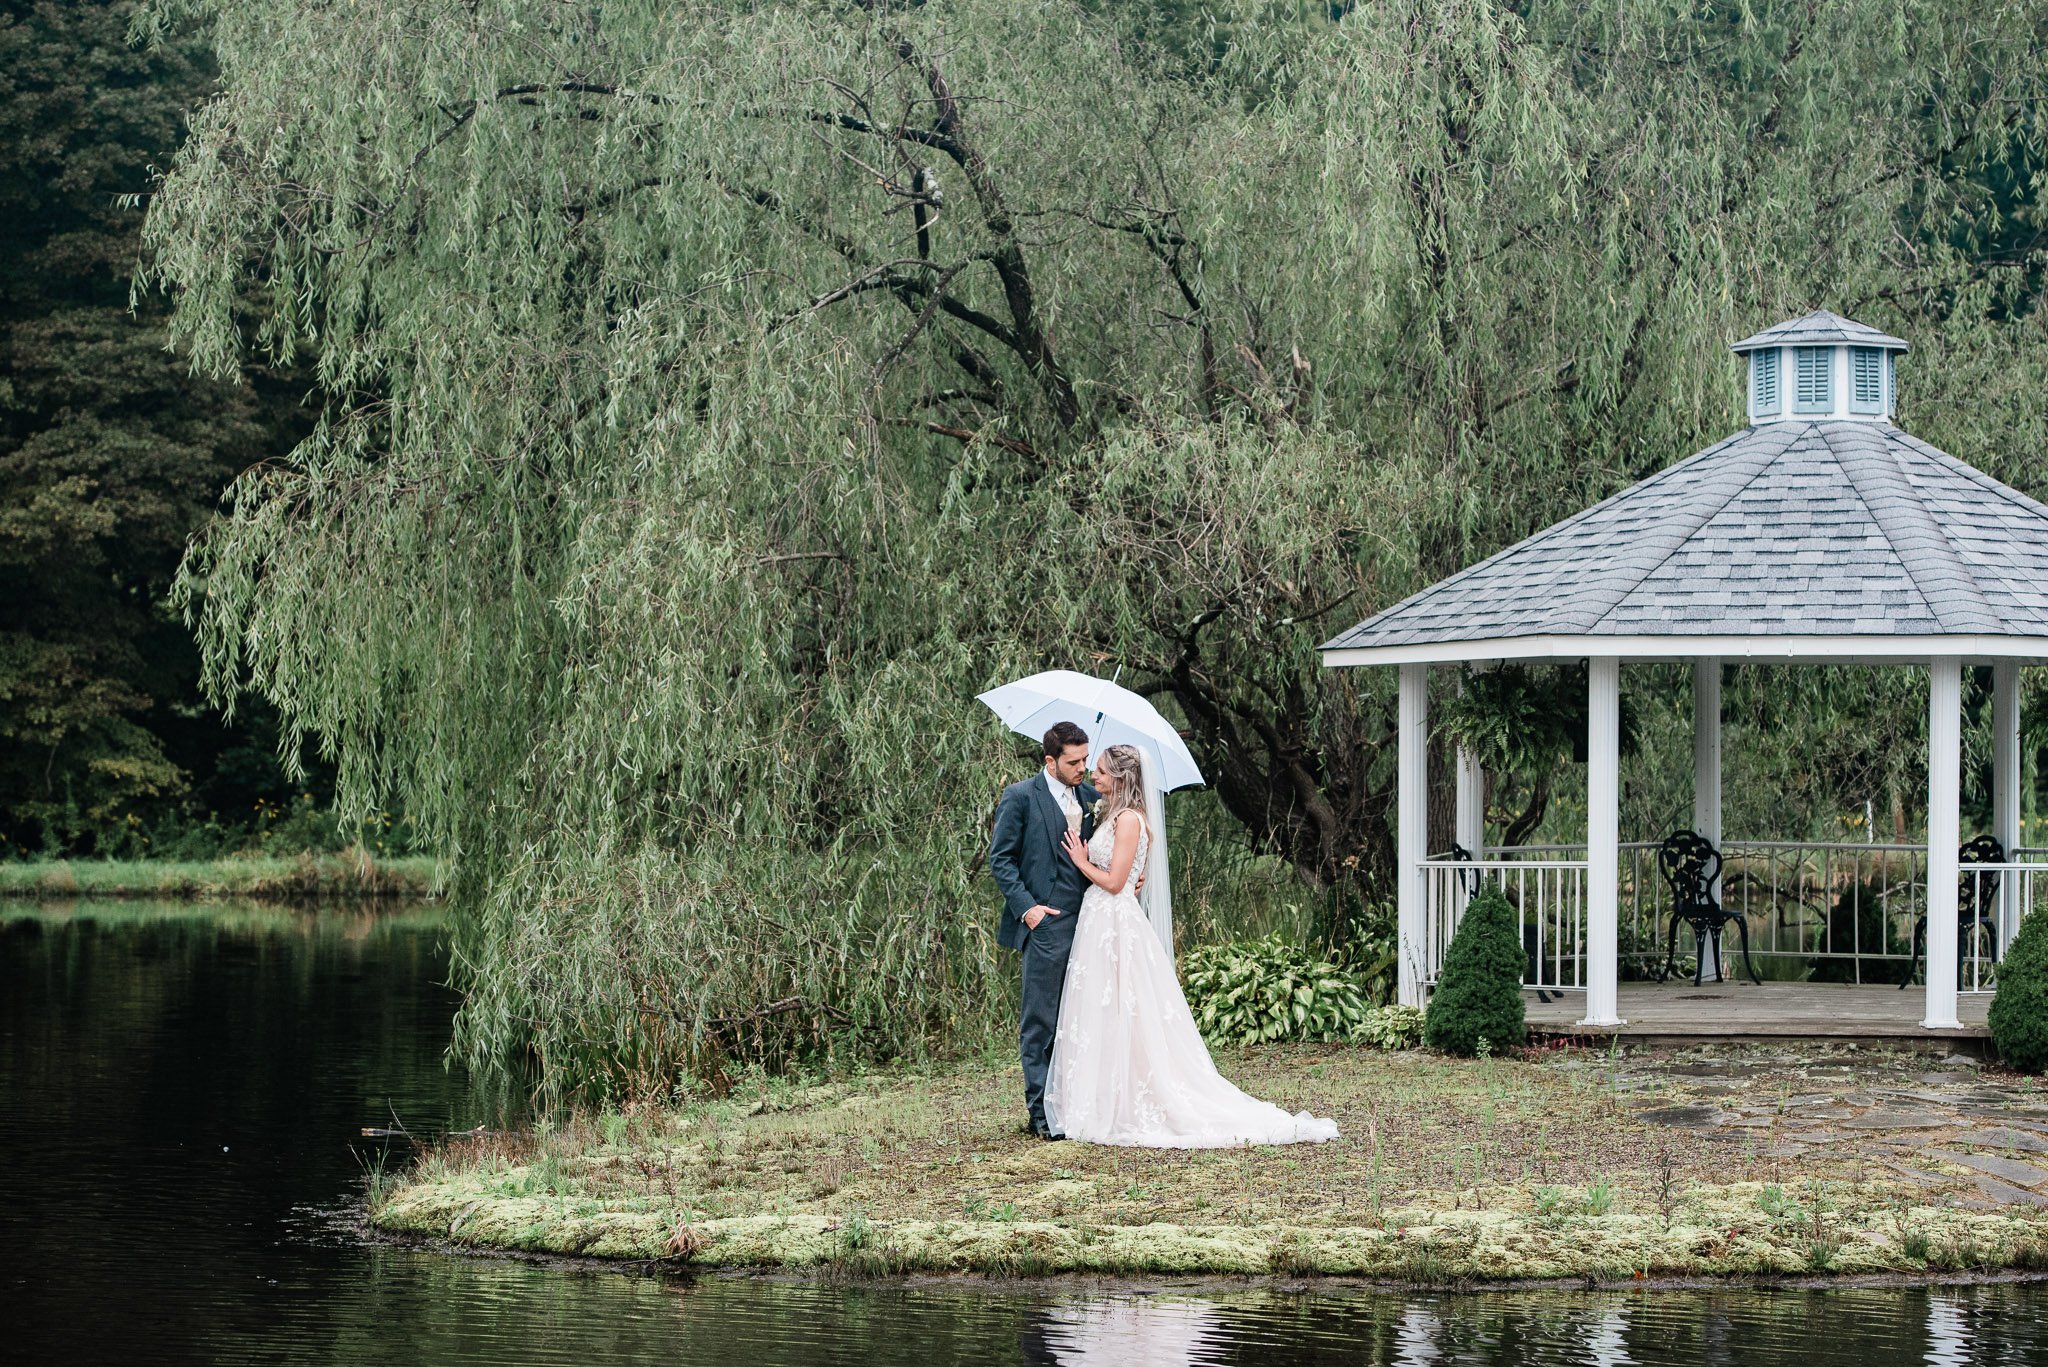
{"x":1128,"y":1064}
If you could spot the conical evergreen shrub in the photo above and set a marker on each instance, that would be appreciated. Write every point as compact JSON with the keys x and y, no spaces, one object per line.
{"x":2019,"y":1013}
{"x":1479,"y":992}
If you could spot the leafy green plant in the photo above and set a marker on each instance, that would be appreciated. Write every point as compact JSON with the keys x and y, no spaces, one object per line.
{"x":1260,"y":991}
{"x":1393,"y":1027}
{"x":1478,"y":997}
{"x":1265,"y":990}
{"x":2019,"y":1012}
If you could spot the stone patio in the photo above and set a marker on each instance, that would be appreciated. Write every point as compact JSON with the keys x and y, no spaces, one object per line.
{"x":1951,"y":1125}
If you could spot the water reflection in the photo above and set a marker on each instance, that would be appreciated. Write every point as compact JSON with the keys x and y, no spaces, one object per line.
{"x":1947,"y":1340}
{"x":1960,"y":1327}
{"x":1136,"y":1331}
{"x":180,"y":1089}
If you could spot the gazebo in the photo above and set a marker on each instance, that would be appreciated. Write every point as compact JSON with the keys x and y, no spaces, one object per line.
{"x":1821,"y":534}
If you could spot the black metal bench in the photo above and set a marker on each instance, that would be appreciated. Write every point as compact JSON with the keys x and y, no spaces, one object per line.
{"x":1690,"y":864}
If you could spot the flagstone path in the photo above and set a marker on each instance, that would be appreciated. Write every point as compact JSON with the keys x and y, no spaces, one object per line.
{"x":1951,"y":1124}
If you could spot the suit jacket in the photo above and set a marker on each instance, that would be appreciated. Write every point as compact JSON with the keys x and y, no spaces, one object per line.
{"x":1025,"y":856}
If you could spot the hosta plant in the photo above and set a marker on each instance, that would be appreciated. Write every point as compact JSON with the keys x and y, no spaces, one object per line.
{"x":1264,"y":991}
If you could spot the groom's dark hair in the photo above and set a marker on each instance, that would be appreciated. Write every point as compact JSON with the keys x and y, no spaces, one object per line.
{"x":1063,"y":734}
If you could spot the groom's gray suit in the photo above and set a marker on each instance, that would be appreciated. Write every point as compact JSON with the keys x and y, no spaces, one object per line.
{"x":1032,"y":870}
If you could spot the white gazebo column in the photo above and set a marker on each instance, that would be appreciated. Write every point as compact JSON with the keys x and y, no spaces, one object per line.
{"x":2005,"y":788}
{"x":1706,"y":765}
{"x":1944,"y":832}
{"x":1603,"y":842}
{"x":1706,"y":748}
{"x":1471,"y":805}
{"x":1411,"y":833}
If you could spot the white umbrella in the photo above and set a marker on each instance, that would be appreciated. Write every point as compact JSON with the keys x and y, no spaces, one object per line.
{"x":1111,"y":716}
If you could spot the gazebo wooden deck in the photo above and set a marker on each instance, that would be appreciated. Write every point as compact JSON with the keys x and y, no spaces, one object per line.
{"x":1821,"y":534}
{"x":1734,"y":1012}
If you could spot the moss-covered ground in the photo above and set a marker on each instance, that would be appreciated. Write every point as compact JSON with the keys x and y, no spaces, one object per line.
{"x":1535,"y":1166}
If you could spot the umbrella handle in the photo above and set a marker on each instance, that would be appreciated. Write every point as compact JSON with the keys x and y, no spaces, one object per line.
{"x":1112,"y":683}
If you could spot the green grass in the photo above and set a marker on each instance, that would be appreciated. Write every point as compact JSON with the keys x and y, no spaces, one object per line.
{"x":259,"y":877}
{"x":235,"y":915}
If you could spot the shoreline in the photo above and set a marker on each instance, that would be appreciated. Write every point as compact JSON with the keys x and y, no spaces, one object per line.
{"x":304,"y":877}
{"x":1183,"y":1284}
{"x":1439,"y":1249}
{"x":1554,"y":1169}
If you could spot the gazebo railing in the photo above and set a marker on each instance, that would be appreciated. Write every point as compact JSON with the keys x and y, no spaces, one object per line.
{"x":1820,"y":911}
{"x":1549,"y":898}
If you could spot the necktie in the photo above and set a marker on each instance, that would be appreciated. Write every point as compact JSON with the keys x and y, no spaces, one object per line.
{"x":1071,"y":805}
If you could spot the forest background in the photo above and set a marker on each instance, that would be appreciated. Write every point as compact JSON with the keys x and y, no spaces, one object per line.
{"x":644,"y":427}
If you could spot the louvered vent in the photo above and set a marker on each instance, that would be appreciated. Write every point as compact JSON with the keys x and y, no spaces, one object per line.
{"x":1866,"y":379}
{"x":1813,"y":367}
{"x":1764,"y":393}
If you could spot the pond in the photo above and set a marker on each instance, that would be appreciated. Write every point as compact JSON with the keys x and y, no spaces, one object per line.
{"x":182,"y":1095}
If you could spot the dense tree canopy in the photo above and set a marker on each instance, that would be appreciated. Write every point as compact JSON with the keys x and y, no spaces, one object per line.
{"x":718,"y":396}
{"x":111,"y":454}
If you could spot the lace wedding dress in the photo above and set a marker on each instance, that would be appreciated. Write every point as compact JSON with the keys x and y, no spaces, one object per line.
{"x":1128,"y":1064}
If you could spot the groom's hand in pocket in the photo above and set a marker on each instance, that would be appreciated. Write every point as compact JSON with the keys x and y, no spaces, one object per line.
{"x":1037,"y":914}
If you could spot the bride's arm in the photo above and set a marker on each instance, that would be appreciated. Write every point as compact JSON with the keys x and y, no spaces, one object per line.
{"x":1121,"y":855}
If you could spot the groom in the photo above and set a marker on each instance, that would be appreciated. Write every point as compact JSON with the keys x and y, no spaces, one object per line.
{"x":1042,"y":893}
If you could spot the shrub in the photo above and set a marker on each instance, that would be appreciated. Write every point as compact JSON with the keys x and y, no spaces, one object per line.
{"x":1260,"y":991}
{"x":1478,"y":997}
{"x":2019,"y":1012}
{"x":1859,"y":918}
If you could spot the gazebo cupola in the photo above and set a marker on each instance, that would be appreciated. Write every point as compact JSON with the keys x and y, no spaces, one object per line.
{"x":1822,"y":366}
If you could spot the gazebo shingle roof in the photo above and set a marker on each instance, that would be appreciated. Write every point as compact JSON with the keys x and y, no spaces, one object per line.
{"x":1819,"y":328}
{"x":1826,"y":528}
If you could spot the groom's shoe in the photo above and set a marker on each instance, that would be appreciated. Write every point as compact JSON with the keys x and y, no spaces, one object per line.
{"x":1040,"y":1131}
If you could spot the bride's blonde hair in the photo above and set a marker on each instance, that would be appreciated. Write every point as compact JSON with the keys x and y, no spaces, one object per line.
{"x":1124,"y":762}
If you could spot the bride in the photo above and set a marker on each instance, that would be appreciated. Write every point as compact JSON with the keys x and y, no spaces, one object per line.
{"x":1128,"y":1064}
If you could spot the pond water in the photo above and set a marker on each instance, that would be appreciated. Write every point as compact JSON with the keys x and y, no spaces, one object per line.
{"x":182,"y":1093}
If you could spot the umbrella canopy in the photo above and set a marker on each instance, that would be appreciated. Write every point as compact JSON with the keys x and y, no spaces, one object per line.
{"x":1109,"y":714}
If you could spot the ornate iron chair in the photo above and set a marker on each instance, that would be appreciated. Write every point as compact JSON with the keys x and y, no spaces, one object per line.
{"x":1690,"y":864}
{"x":1976,"y":902}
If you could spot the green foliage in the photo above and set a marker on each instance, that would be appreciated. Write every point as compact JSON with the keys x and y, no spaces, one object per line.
{"x":1265,"y":990}
{"x":1268,"y":990}
{"x":1393,"y":1026}
{"x":2019,"y":1009}
{"x":1525,"y":723}
{"x":1858,"y":924}
{"x":715,"y":398}
{"x":1520,"y":718}
{"x":111,"y":453}
{"x":1477,"y":1003}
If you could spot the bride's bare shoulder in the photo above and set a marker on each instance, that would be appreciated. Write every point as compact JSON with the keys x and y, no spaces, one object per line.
{"x":1130,"y":818}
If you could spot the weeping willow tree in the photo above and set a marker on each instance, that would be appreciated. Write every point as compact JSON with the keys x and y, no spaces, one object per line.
{"x":715,"y":397}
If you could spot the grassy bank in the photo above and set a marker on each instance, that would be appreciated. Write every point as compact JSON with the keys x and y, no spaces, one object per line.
{"x":259,"y":877}
{"x":1447,"y":1171}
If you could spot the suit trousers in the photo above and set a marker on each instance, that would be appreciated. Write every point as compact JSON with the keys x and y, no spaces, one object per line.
{"x":1045,"y":976}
